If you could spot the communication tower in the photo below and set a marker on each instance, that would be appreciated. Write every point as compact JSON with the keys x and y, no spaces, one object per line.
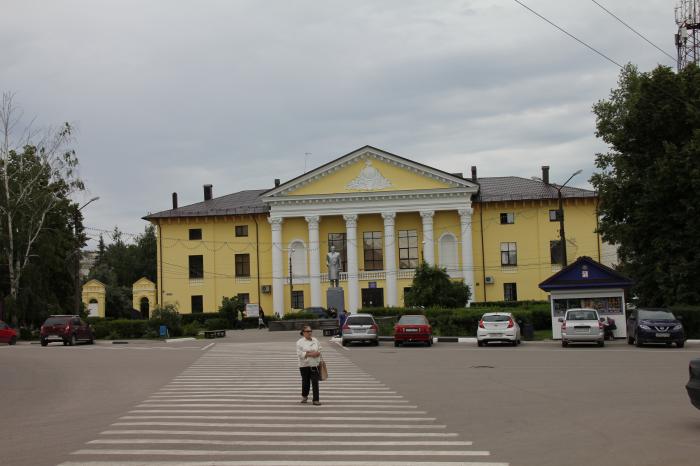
{"x":688,"y":35}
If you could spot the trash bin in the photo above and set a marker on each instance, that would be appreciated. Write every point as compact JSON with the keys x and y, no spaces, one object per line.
{"x":528,"y":331}
{"x":163,"y":331}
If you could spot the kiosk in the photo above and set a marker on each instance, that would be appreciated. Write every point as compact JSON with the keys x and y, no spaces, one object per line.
{"x":587,"y":283}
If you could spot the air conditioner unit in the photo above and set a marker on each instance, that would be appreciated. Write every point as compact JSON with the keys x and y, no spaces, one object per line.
{"x":266,"y":288}
{"x":489,"y":280}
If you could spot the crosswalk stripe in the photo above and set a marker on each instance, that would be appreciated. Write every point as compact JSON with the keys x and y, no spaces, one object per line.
{"x":285,"y":418}
{"x":247,"y":433}
{"x":281,"y":463}
{"x":316,"y":443}
{"x":284,"y":452}
{"x":266,"y":405}
{"x":300,"y":411}
{"x":271,"y":425}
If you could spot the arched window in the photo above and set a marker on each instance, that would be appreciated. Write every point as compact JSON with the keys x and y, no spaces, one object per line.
{"x":297,"y":251}
{"x":448,"y":254}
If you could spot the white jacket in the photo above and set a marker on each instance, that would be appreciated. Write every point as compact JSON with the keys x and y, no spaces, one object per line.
{"x":304,"y":346}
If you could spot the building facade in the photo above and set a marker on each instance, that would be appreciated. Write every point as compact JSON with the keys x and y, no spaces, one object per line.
{"x":384,"y":214}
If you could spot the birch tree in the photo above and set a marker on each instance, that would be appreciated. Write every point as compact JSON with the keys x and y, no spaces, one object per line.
{"x":37,"y":171}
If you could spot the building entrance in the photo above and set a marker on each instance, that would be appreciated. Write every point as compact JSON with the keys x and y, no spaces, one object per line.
{"x":372,"y":297}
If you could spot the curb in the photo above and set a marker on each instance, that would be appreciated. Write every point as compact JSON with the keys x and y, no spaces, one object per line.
{"x":175,"y":340}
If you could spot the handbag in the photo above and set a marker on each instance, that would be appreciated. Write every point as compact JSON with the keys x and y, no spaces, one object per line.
{"x":322,"y":370}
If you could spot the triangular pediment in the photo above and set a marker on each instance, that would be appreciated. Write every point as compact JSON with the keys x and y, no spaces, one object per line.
{"x":369,"y":170}
{"x":585,"y":273}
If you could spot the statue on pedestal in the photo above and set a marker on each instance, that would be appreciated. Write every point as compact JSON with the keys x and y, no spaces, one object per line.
{"x":335,"y":266}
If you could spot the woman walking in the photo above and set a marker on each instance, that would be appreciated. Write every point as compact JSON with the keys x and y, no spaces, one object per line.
{"x":309,"y":354}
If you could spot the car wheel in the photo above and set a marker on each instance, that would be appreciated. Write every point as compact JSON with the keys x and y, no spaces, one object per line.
{"x":397,"y":344}
{"x":638,"y":343}
{"x":13,"y":341}
{"x":680,"y":343}
{"x":91,"y":341}
{"x":345,"y":343}
{"x":479,"y":343}
{"x":376,"y":342}
{"x":630,"y":341}
{"x":668,"y":344}
{"x":73,"y":341}
{"x":44,"y":342}
{"x":601,"y":343}
{"x":65,"y":343}
{"x":430,"y":341}
{"x":564,"y":343}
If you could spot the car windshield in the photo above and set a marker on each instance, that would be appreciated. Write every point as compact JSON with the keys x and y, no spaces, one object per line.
{"x":581,"y":315}
{"x":57,"y":321}
{"x":496,"y":318}
{"x":413,"y":320}
{"x":656,"y":315}
{"x":360,"y":320}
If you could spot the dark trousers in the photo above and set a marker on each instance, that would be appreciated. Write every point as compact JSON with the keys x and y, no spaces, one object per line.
{"x":309,"y":377}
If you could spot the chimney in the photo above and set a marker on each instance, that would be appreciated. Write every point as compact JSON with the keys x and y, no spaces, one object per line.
{"x":207,"y":192}
{"x":174,"y":200}
{"x":474,"y":173}
{"x":545,"y":174}
{"x":277,"y":182}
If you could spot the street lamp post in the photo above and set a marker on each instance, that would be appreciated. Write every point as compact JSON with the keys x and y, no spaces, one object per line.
{"x":291,"y":284}
{"x":562,"y":234}
{"x":76,"y":272}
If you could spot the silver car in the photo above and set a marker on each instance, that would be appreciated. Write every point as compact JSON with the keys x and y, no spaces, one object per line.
{"x":360,"y":327}
{"x":582,"y":325}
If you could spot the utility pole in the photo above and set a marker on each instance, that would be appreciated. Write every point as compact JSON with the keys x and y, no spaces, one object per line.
{"x":291,"y":283}
{"x":76,"y":262}
{"x":562,"y":235}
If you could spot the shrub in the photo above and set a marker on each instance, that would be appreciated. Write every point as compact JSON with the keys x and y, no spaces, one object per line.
{"x":169,"y":317}
{"x":191,"y":330}
{"x":230,"y":310}
{"x":216,"y":324}
{"x":296,"y":316}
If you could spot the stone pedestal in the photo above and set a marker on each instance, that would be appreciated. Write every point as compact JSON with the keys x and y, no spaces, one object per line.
{"x":335,"y":298}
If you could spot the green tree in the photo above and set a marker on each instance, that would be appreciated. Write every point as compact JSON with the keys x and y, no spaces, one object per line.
{"x":432,"y":287}
{"x":229,"y":309}
{"x":649,"y":180}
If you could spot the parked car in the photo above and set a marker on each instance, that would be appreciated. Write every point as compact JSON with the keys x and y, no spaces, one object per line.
{"x":7,"y":334}
{"x":646,"y":325}
{"x":582,"y":325}
{"x":360,"y":327}
{"x":413,"y":328}
{"x":498,"y":327}
{"x":320,"y":312}
{"x":68,"y":329}
{"x":693,"y":385}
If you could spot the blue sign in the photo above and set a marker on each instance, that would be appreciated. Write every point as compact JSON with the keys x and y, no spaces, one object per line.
{"x":372,"y":284}
{"x":163,"y":330}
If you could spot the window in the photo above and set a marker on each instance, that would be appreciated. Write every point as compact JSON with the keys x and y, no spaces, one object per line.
{"x":197,"y":304}
{"x":408,"y":249}
{"x":241,"y":230}
{"x":448,"y":252}
{"x":372,"y":244}
{"x":243,"y":265}
{"x":297,"y":250}
{"x":339,"y":240}
{"x":555,"y":252}
{"x":554,"y":215}
{"x":510,"y":292}
{"x":244,"y":297}
{"x":509,"y":254}
{"x":297,"y":300}
{"x":195,"y":233}
{"x":196,"y":267}
{"x":507,"y":218}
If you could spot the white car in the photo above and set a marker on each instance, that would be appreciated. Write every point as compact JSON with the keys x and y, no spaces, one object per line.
{"x":582,"y":325}
{"x":498,"y":326}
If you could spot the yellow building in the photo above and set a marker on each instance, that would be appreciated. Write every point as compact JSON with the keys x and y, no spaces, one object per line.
{"x":384,"y":214}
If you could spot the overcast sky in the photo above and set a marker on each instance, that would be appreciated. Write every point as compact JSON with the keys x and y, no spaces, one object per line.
{"x":170,"y":95}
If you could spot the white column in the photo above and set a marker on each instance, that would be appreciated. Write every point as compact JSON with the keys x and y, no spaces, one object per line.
{"x":465,"y":220}
{"x":353,"y":275}
{"x":428,"y":241}
{"x":277,"y":266}
{"x":315,"y":260}
{"x":390,"y":258}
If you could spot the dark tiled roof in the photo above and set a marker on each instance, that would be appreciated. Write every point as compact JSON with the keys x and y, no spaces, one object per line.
{"x":515,"y":188}
{"x":242,"y":202}
{"x":492,"y":189}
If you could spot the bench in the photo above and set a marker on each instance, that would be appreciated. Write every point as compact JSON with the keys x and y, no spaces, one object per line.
{"x":329,"y":327}
{"x":214,"y":333}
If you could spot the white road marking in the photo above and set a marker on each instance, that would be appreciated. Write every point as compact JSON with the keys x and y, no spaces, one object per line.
{"x":280,"y":463}
{"x":276,"y":426}
{"x":208,"y":346}
{"x":248,"y":433}
{"x":284,"y":452}
{"x":284,"y":418}
{"x":266,"y":405}
{"x":301,"y":410}
{"x":316,"y":443}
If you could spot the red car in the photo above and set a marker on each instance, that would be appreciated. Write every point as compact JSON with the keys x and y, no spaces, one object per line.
{"x":7,"y":334}
{"x":67,"y":329}
{"x":411,"y":329}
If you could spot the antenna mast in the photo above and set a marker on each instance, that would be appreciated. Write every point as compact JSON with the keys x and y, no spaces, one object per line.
{"x":688,"y":35}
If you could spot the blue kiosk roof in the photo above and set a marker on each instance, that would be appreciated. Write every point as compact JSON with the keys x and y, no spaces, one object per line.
{"x":585,"y":273}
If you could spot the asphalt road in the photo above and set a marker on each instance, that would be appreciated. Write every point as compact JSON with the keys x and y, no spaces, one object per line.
{"x":537,"y":404}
